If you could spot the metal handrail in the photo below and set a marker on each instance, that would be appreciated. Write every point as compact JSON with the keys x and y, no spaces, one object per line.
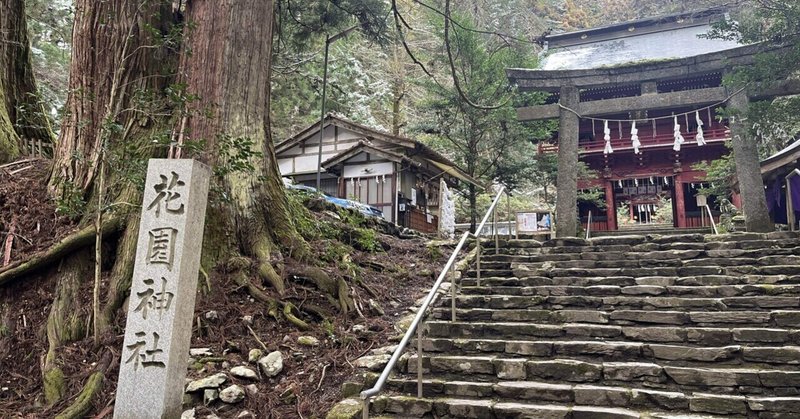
{"x":589,"y":225}
{"x":366,"y":395}
{"x":711,"y":217}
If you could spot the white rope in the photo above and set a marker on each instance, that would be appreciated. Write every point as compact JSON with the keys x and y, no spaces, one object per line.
{"x":701,"y":140}
{"x":678,"y":136}
{"x":607,"y":137}
{"x":635,"y":138}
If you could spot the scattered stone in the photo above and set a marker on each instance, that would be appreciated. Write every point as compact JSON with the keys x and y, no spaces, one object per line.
{"x":210,"y":395}
{"x":346,"y":409}
{"x":188,"y":414}
{"x":196,"y":352}
{"x":251,"y":390}
{"x":244,"y":372}
{"x":272,"y":364}
{"x":372,"y":362}
{"x":308,"y":341}
{"x":212,"y":315}
{"x":245,"y":414}
{"x":359,"y":328}
{"x":254,"y":355}
{"x":232,"y":394}
{"x":248,"y":320}
{"x":376,"y":308}
{"x":213,"y":381}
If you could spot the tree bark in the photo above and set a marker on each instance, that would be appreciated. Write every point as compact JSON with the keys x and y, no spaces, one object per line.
{"x":748,"y":169}
{"x":567,"y":182}
{"x":117,"y":59}
{"x":229,"y":70}
{"x":21,"y":114}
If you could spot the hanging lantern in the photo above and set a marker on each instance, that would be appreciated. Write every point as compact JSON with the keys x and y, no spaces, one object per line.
{"x":666,"y":181}
{"x":635,"y":138}
{"x":652,"y":181}
{"x":619,"y":182}
{"x":607,"y":138}
{"x":636,"y":182}
{"x":678,"y":137}
{"x":701,"y":140}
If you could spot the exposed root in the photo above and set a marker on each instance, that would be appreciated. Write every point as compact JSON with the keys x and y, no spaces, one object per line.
{"x":67,"y":245}
{"x":239,"y":267}
{"x":288,"y":309}
{"x":83,"y":403}
{"x":266,"y":272}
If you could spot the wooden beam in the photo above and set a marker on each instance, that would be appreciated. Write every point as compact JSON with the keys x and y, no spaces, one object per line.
{"x":697,"y":97}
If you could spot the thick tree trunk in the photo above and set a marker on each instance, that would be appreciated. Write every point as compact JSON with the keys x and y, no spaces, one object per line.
{"x":567,"y":182}
{"x":229,"y":70}
{"x":21,"y":114}
{"x":116,"y":62}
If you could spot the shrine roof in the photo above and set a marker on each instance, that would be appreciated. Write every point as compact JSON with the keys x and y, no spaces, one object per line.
{"x":647,"y":40}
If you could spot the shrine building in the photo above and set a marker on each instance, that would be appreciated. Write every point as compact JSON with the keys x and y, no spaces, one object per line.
{"x":642,"y":99}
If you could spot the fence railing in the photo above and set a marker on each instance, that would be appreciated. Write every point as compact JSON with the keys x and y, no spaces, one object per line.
{"x":417,"y":323}
{"x":37,"y":148}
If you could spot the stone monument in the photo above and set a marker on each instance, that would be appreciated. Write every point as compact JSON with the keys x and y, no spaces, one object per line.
{"x":161,"y":305}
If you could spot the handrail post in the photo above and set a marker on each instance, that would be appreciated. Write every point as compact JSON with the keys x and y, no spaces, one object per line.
{"x":508,"y":213}
{"x":478,"y":260}
{"x":496,"y":235}
{"x":419,"y":360}
{"x":452,"y":296}
{"x":365,"y":408}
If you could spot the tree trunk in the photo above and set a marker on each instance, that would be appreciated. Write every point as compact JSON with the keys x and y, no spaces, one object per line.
{"x":117,"y":60}
{"x":21,"y":114}
{"x":473,"y":210}
{"x":229,"y":70}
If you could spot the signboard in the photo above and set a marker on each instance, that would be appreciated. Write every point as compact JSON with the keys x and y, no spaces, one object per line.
{"x":539,"y":222}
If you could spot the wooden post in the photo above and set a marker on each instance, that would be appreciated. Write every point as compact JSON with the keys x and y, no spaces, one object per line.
{"x":611,"y":210}
{"x":680,"y":202}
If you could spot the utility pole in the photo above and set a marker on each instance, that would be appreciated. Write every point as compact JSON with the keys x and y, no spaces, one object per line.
{"x":328,"y":41}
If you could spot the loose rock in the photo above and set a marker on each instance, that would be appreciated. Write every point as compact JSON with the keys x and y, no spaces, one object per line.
{"x":213,"y":381}
{"x":243,"y":372}
{"x":308,"y":341}
{"x":255,"y":355}
{"x":232,"y":394}
{"x":272,"y":364}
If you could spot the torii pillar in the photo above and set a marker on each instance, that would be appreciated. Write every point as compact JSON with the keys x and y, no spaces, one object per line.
{"x":567,"y":182}
{"x":748,"y":170}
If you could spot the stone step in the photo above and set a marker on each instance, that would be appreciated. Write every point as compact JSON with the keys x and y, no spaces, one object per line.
{"x":625,"y":302}
{"x":623,"y":281}
{"x":617,"y":350}
{"x":730,"y":379}
{"x":590,"y":395}
{"x":748,"y":249}
{"x":522,"y":271}
{"x":463,"y":408}
{"x":774,"y":318}
{"x":714,"y":291}
{"x":709,"y":336}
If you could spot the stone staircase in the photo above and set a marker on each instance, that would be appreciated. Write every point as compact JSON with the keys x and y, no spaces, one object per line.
{"x":687,"y":327}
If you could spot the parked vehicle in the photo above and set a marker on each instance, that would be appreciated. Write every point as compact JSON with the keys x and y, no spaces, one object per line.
{"x":365,"y":209}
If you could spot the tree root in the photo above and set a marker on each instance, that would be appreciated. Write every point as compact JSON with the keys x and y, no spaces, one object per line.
{"x":287,"y":312}
{"x":239,"y":267}
{"x":67,"y":245}
{"x":83,"y":403}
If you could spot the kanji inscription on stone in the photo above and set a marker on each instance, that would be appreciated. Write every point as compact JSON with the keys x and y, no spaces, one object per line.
{"x":159,"y":325}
